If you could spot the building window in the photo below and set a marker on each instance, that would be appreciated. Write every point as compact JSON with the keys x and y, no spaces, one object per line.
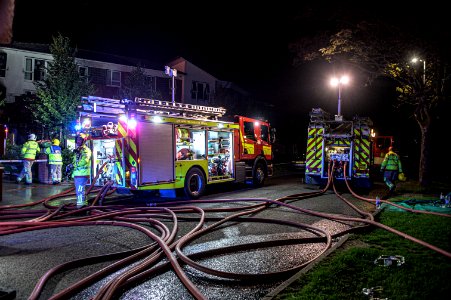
{"x":83,"y":72}
{"x":28,"y":69}
{"x":35,"y":69}
{"x":3,"y":64}
{"x":113,"y":78}
{"x":151,"y":82}
{"x":97,"y":75}
{"x":200,"y":91}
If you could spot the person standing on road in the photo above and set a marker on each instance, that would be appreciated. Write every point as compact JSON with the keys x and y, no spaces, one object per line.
{"x":81,"y":168}
{"x":391,"y":167}
{"x":28,"y":152}
{"x":55,"y":161}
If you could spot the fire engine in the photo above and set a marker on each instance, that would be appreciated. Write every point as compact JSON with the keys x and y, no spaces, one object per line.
{"x":380,"y":148}
{"x":148,"y":144}
{"x":335,"y":139}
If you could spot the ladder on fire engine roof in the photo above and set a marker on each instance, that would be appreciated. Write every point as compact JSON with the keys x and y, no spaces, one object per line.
{"x":153,"y":106}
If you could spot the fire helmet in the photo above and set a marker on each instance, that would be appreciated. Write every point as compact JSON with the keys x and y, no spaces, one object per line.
{"x":401,"y":177}
{"x":82,"y":137}
{"x":56,"y":142}
{"x":32,"y":137}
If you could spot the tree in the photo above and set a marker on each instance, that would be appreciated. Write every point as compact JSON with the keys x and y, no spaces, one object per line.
{"x":137,"y":84}
{"x":380,"y":50}
{"x":60,"y":92}
{"x":6,"y":20}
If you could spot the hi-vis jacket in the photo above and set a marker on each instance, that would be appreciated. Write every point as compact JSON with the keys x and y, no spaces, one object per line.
{"x":29,"y":150}
{"x":82,"y":162}
{"x":55,"y":157}
{"x":391,"y":162}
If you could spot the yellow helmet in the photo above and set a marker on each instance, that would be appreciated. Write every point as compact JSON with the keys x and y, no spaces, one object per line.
{"x":82,"y":136}
{"x":56,"y":142}
{"x":402,"y":177}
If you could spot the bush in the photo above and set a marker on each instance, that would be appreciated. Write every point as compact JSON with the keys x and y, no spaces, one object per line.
{"x":12,"y":151}
{"x":68,"y":156}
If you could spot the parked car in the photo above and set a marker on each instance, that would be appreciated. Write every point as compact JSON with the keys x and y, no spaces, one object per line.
{"x":298,"y":163}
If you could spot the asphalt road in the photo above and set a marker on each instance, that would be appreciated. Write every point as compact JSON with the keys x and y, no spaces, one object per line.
{"x":25,"y":257}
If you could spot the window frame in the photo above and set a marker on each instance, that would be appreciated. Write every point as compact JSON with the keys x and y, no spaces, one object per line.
{"x":85,"y":74}
{"x":246,"y":130}
{"x":4,"y":60}
{"x":31,"y":71}
{"x":200,"y":90}
{"x":109,"y":77}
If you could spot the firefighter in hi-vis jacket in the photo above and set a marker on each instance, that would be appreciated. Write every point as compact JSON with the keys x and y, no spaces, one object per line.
{"x":391,"y":167}
{"x":55,"y":161}
{"x":29,"y":151}
{"x":81,"y":168}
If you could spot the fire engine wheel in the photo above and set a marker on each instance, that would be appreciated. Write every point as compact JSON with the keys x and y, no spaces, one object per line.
{"x":259,"y":175}
{"x":194,"y":183}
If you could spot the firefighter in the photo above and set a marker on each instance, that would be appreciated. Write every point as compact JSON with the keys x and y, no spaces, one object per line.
{"x":391,"y":167}
{"x":29,"y":151}
{"x":55,"y":161}
{"x":81,"y":168}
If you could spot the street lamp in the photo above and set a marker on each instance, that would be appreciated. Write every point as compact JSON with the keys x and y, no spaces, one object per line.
{"x":414,"y":60}
{"x":173,"y":73}
{"x":339,"y":82}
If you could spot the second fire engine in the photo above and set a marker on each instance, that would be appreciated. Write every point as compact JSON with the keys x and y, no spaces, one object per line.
{"x":334,"y":139}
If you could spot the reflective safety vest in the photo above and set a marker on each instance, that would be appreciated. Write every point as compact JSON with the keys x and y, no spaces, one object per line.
{"x":391,"y":162}
{"x":82,"y":162}
{"x":29,"y":150}
{"x":55,"y":157}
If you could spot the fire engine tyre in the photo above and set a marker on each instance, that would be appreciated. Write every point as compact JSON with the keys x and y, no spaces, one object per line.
{"x":194,"y":183}
{"x":259,"y":175}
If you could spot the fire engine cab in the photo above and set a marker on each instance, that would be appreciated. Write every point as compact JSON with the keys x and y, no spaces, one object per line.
{"x":341,"y":141}
{"x":147,"y":144}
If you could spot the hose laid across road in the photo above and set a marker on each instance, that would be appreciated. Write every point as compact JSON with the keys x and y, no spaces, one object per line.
{"x":165,"y":249}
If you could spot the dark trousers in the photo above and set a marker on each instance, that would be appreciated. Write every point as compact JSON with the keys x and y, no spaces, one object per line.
{"x":390,"y":177}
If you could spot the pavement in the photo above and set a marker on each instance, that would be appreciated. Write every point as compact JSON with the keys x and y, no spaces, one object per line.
{"x":13,"y":193}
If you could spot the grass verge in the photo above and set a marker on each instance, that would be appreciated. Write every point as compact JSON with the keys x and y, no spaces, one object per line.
{"x":344,"y":273}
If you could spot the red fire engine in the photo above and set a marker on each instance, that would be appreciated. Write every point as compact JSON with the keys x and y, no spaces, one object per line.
{"x":147,"y":144}
{"x":380,"y":148}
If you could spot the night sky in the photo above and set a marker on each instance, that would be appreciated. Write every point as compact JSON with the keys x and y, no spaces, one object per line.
{"x":236,"y":41}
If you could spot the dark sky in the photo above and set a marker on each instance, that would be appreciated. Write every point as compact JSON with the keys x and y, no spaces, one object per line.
{"x":233,"y":40}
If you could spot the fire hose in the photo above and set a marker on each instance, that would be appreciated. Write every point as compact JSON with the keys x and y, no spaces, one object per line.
{"x":166,"y":246}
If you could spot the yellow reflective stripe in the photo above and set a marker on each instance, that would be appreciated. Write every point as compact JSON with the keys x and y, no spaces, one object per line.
{"x":133,"y":146}
{"x":250,"y":148}
{"x":121,"y":130}
{"x":267,"y":150}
